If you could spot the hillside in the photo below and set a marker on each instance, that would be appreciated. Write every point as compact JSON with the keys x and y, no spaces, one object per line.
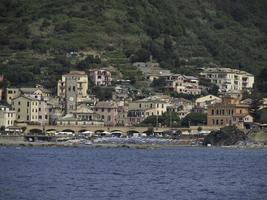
{"x":36,"y":35}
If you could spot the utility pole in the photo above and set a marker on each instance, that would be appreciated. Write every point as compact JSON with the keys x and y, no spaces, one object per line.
{"x":157,"y":121}
{"x":170,"y":119}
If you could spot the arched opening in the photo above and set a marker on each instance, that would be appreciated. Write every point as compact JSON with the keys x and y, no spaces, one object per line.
{"x":68,"y":130}
{"x":116,"y":133}
{"x":132,"y":133}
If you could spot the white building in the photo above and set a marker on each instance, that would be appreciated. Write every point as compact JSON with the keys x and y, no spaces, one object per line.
{"x":182,"y":84}
{"x":101,"y":77}
{"x":7,"y":116}
{"x":207,"y":100}
{"x":229,"y":80}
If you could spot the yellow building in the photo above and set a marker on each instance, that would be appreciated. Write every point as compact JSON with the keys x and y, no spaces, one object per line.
{"x":26,"y":108}
{"x":81,"y":80}
{"x":151,"y":107}
{"x":229,"y":112}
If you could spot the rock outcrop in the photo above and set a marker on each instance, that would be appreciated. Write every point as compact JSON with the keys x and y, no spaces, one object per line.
{"x":226,"y":136}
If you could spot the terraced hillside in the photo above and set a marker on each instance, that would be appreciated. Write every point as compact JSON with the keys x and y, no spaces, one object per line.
{"x":36,"y":36}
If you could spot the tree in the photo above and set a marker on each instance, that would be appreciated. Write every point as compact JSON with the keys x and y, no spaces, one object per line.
{"x":213,"y":89}
{"x":195,"y":119}
{"x":103,"y":94}
{"x":141,"y":55}
{"x":168,"y":119}
{"x":159,"y":83}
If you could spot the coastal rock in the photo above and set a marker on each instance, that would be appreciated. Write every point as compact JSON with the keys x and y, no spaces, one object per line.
{"x":258,"y":136}
{"x":225,"y":137}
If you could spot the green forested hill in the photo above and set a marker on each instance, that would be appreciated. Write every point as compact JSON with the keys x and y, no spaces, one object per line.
{"x":35,"y":35}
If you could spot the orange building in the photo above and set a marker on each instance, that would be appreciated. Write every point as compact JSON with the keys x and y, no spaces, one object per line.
{"x":229,"y":112}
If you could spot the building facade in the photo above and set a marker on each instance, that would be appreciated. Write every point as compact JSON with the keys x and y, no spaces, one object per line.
{"x":34,"y":92}
{"x":7,"y":116}
{"x":101,"y":77}
{"x":182,"y":84}
{"x":31,"y":110}
{"x":72,"y":88}
{"x":229,"y":112}
{"x":108,"y":111}
{"x":229,"y":80}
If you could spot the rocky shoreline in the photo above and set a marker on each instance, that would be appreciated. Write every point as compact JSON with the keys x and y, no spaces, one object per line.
{"x":112,"y":145}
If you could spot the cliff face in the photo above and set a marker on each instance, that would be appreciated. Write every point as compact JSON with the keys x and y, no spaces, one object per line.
{"x":225,"y":137}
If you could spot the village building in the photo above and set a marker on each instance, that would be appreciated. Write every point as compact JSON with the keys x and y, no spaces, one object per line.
{"x":101,"y":77}
{"x":229,"y":112}
{"x":31,"y":110}
{"x":182,"y":84}
{"x":7,"y":116}
{"x":202,"y":103}
{"x":180,"y":106}
{"x":82,"y":116}
{"x":108,"y":111}
{"x":38,"y":92}
{"x":72,"y":88}
{"x":151,"y":70}
{"x":229,"y":80}
{"x":151,"y":106}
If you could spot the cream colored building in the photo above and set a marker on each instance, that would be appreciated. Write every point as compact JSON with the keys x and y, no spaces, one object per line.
{"x":205,"y":101}
{"x":81,"y":80}
{"x":30,"y":110}
{"x":12,"y":93}
{"x":150,"y":107}
{"x":26,"y":108}
{"x":72,"y":88}
{"x":7,"y":116}
{"x":35,"y":92}
{"x":229,"y":80}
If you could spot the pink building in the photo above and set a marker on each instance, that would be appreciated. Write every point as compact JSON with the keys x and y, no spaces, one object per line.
{"x":101,"y":77}
{"x":108,"y":110}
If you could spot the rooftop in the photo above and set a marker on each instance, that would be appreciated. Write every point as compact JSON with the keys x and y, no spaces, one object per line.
{"x":225,"y":70}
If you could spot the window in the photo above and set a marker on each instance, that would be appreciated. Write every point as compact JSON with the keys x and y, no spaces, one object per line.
{"x":140,"y":105}
{"x":212,"y":112}
{"x":19,"y":103}
{"x":28,"y":104}
{"x":39,"y":109}
{"x":18,"y":109}
{"x":109,"y":118}
{"x":18,"y":116}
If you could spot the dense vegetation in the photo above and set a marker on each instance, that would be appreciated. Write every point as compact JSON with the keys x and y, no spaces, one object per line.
{"x":37,"y":37}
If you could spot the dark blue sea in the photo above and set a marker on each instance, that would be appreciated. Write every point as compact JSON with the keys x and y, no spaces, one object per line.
{"x":119,"y":173}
